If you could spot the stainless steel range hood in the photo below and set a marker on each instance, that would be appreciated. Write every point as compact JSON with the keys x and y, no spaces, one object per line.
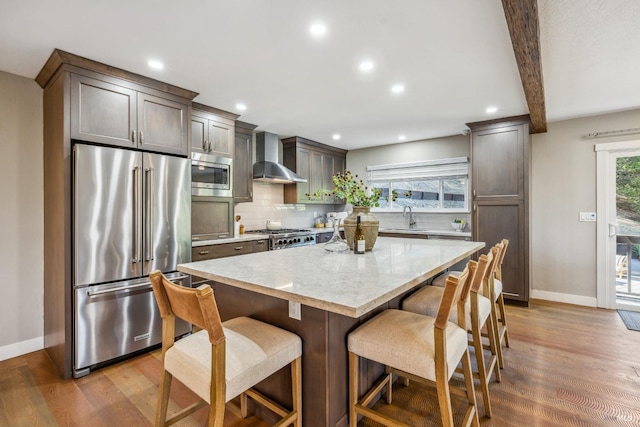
{"x":266,"y":168}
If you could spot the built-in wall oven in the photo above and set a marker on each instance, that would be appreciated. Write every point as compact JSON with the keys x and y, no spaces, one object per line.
{"x":211,"y":176}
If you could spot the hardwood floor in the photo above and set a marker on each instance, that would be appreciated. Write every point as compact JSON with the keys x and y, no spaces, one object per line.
{"x":567,"y":366}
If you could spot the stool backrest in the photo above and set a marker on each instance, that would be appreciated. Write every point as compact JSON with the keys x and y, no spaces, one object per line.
{"x":487,"y":282}
{"x":196,"y":306}
{"x":498,"y":272}
{"x":456,"y":292}
{"x":485,"y":262}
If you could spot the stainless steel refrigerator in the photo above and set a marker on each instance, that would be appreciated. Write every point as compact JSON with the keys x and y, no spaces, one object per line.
{"x":132,"y":215}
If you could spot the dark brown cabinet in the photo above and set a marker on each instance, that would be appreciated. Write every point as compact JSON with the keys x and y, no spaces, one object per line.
{"x":212,"y":130}
{"x":243,"y":162}
{"x":317,"y":163}
{"x":121,"y":114}
{"x":211,"y":218}
{"x":500,"y":190}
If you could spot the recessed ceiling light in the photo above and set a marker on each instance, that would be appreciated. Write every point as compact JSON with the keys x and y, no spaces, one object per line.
{"x":155,"y":64}
{"x":336,"y":136}
{"x":366,"y":66}
{"x":491,"y":110}
{"x":240,"y":107}
{"x":397,"y":88}
{"x":318,"y":29}
{"x":402,"y":137}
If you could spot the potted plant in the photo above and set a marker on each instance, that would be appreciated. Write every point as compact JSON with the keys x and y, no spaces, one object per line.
{"x":353,"y":191}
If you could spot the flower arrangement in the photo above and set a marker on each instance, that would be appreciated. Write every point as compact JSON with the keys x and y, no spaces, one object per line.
{"x":349,"y":188}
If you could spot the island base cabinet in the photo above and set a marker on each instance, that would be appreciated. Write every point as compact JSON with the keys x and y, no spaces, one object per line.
{"x":325,"y":375}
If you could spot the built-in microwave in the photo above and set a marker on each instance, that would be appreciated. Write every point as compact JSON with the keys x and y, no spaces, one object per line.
{"x":211,"y":175}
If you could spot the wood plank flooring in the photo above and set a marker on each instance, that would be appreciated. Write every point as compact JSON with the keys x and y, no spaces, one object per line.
{"x":567,"y":366}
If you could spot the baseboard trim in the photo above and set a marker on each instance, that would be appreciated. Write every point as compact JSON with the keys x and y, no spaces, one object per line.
{"x":566,"y":298}
{"x":20,"y":348}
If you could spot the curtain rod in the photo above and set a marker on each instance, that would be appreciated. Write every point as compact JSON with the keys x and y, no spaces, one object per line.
{"x":614,"y":132}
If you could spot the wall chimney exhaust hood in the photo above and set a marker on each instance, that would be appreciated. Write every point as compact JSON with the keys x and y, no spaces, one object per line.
{"x":266,"y":168}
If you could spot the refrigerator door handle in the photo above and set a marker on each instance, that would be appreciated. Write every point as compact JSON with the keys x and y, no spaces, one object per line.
{"x":149,"y":208}
{"x":136,"y":214}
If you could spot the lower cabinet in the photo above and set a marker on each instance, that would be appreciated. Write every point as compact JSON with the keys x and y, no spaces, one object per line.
{"x":222,"y":250}
{"x":324,"y":237}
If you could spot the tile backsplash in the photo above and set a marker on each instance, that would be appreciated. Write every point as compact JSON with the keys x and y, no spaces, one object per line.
{"x":268,"y":203}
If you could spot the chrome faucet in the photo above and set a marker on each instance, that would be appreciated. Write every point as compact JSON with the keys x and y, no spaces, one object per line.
{"x":411,"y":221}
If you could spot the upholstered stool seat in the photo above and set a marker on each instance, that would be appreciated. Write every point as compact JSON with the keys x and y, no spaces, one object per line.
{"x":405,"y":341}
{"x":255,"y":350}
{"x":497,"y":287}
{"x":426,"y":301}
{"x":442,"y":279}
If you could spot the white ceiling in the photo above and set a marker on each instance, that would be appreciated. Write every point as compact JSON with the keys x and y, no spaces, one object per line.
{"x":454,"y":57}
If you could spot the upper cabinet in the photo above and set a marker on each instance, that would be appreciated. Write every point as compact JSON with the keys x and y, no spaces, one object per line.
{"x":212,"y":131}
{"x":106,"y":111}
{"x":243,"y":162}
{"x":317,"y":163}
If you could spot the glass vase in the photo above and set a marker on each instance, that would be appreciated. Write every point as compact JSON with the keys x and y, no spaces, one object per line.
{"x":336,"y":243}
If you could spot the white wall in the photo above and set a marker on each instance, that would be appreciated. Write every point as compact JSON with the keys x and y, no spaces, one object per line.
{"x":430,"y":149}
{"x":21,"y":216}
{"x":563,"y":174}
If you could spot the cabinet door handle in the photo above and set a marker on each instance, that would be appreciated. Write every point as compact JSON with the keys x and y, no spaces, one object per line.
{"x":238,"y":248}
{"x":474,"y":192}
{"x":210,"y":146}
{"x":205,"y":145}
{"x":475,"y":207}
{"x":141,"y":137}
{"x":133,"y":135}
{"x":260,"y":242}
{"x":203,"y":253}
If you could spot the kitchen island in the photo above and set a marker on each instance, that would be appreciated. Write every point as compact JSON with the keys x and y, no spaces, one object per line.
{"x":337,"y":292}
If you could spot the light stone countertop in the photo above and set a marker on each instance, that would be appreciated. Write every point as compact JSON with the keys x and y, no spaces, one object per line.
{"x":450,"y":232}
{"x":342,"y":283}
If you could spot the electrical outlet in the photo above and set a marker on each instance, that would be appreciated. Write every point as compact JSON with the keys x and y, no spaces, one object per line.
{"x":295,"y":311}
{"x":587,"y":216}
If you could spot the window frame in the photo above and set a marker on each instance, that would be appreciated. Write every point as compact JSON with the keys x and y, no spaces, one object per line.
{"x":430,"y":170}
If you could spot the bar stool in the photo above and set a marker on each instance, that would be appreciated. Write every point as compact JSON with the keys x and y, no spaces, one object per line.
{"x":223,"y":360}
{"x":478,"y":315}
{"x":494,"y":290}
{"x":421,"y":348}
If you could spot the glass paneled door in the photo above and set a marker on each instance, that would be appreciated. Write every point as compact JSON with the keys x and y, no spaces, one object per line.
{"x":618,"y":225}
{"x":627,"y":230}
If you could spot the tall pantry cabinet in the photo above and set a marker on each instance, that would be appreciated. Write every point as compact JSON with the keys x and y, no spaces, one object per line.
{"x":500,"y":160}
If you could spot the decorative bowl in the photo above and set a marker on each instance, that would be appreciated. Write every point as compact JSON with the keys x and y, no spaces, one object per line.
{"x":458,"y":225}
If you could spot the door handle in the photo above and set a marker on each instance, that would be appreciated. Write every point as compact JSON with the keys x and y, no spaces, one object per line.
{"x":149,"y":231}
{"x":141,"y":137}
{"x":205,"y":144}
{"x":203,"y":253}
{"x":613,"y":230}
{"x":133,"y":135}
{"x":136,"y":215}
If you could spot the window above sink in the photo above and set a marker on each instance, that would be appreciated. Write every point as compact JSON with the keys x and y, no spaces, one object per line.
{"x":427,"y":186}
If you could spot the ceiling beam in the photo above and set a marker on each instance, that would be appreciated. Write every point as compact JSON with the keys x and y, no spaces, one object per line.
{"x":524,"y":28}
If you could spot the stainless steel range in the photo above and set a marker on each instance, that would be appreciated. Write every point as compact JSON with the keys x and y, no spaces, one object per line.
{"x":288,"y":237}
